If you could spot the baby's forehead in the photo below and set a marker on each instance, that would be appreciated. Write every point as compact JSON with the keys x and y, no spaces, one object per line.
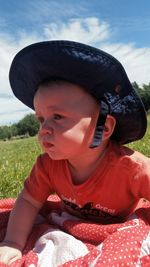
{"x":53,"y":80}
{"x":62,"y":87}
{"x":64,"y":95}
{"x":58,"y":82}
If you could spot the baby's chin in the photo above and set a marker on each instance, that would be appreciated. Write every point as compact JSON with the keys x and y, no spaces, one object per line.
{"x":55,"y":156}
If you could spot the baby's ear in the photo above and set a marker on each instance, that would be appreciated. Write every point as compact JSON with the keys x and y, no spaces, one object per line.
{"x":109,"y":127}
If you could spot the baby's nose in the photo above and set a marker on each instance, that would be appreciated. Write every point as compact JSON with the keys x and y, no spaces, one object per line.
{"x":46,"y":128}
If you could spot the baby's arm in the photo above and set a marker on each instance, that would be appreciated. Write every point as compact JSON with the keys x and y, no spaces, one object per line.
{"x":19,"y":226}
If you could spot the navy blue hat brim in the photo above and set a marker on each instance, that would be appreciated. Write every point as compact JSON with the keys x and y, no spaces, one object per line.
{"x":95,"y":70}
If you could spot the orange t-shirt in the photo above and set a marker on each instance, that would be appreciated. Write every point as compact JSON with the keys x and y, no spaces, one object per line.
{"x":112,"y":191}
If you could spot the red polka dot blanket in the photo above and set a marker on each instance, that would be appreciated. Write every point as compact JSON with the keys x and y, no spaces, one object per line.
{"x":62,"y":240}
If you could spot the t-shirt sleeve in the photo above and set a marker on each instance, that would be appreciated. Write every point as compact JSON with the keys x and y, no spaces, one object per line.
{"x":38,"y":184}
{"x":141,"y":181}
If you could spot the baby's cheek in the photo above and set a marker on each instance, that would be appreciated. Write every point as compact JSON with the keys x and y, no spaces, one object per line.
{"x":74,"y":137}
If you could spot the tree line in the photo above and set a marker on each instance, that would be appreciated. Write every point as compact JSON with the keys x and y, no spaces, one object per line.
{"x":144,"y":93}
{"x":26,"y":127}
{"x":29,"y":125}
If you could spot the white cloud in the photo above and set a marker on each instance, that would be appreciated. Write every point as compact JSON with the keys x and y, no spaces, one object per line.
{"x":12,"y":110}
{"x":7,"y":119}
{"x":135,"y":60}
{"x":8,"y":48}
{"x":90,"y":31}
{"x":5,"y":52}
{"x":93,"y":31}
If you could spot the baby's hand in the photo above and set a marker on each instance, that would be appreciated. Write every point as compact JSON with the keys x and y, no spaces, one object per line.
{"x":9,"y":254}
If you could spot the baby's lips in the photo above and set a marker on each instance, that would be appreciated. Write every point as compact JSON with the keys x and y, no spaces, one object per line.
{"x":47,"y":144}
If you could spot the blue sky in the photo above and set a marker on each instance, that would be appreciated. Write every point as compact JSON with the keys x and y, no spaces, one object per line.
{"x":121,"y":28}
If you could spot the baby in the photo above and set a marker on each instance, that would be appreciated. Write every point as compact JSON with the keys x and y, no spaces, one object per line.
{"x":87,"y":110}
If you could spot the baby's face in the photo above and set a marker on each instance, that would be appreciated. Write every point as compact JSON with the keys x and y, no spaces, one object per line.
{"x":67,"y":116}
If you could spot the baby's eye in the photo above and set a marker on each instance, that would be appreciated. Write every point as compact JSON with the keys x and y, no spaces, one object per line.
{"x":58,"y":117}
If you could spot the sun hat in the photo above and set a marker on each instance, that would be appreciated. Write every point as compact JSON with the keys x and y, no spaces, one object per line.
{"x":98,"y":72}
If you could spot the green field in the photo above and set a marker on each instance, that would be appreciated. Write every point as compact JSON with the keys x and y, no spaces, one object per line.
{"x":16,"y":160}
{"x":18,"y":156}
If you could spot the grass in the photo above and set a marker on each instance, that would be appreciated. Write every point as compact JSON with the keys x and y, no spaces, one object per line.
{"x":143,"y":145}
{"x":16,"y":160}
{"x":18,"y":156}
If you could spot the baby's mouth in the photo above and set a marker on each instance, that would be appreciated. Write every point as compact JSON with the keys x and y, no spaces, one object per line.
{"x":47,"y":145}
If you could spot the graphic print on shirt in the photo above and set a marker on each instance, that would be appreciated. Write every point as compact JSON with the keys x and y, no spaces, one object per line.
{"x":89,"y":210}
